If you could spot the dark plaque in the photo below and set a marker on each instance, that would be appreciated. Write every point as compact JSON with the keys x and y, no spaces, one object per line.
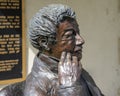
{"x":12,"y":41}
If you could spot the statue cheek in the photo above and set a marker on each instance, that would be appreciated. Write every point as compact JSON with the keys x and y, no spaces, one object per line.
{"x":71,"y":42}
{"x":70,"y":45}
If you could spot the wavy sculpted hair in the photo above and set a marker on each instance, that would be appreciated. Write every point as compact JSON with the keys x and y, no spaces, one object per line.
{"x":44,"y":24}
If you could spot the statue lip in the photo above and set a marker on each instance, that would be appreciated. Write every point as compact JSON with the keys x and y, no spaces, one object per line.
{"x":78,"y":49}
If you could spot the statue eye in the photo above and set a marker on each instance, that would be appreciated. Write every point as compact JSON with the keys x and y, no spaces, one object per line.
{"x":70,"y":32}
{"x":73,"y":32}
{"x":68,"y":35}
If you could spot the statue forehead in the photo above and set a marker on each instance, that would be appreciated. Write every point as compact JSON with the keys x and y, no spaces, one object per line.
{"x":68,"y":24}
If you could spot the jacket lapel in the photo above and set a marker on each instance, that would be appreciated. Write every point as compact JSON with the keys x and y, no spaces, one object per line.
{"x":94,"y":90}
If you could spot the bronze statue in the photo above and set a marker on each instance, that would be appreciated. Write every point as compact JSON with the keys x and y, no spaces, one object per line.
{"x":57,"y":70}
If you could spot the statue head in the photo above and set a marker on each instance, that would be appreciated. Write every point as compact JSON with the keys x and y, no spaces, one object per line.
{"x":45,"y":26}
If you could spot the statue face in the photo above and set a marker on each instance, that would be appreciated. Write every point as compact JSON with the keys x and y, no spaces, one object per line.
{"x":68,"y":39}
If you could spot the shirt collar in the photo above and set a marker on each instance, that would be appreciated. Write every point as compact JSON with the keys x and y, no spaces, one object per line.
{"x":46,"y":62}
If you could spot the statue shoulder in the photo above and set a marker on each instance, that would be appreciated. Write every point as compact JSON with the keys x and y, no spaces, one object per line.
{"x":15,"y":89}
{"x":94,"y":90}
{"x":87,"y":77}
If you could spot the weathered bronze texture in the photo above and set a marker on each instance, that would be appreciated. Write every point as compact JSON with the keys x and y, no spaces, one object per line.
{"x":57,"y":70}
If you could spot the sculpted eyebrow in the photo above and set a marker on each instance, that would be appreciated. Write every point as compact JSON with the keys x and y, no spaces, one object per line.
{"x":67,"y":30}
{"x":71,"y":29}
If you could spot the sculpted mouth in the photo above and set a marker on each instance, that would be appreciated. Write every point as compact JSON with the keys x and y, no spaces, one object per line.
{"x":78,"y":49}
{"x":78,"y":52}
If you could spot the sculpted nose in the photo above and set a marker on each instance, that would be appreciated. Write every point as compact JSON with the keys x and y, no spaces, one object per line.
{"x":79,"y":40}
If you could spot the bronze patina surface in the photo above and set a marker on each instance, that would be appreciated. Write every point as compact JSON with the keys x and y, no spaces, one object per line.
{"x":57,"y":68}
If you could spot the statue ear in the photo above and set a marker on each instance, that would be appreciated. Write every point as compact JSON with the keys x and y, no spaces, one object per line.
{"x":43,"y":42}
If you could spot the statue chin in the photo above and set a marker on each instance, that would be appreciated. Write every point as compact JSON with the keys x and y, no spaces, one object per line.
{"x":78,"y":55}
